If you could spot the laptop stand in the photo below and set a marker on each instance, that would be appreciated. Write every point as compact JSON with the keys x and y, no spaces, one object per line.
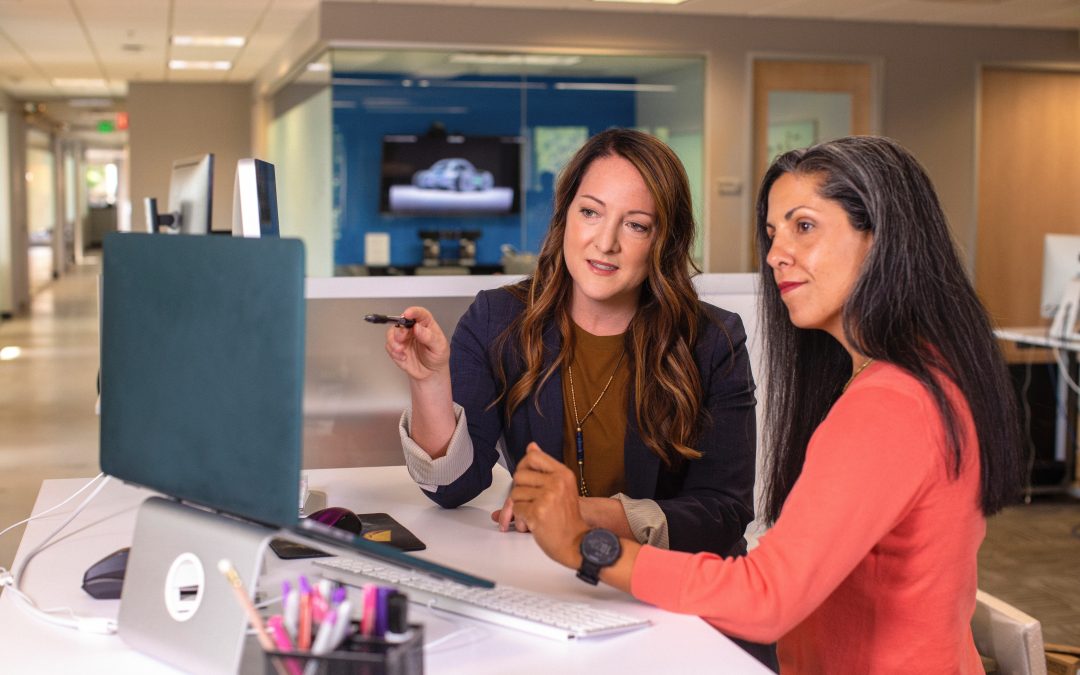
{"x":176,"y":606}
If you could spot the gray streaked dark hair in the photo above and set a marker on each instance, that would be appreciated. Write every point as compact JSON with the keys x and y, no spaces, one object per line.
{"x":912,"y":306}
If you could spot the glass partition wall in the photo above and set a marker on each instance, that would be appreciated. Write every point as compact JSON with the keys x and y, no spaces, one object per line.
{"x":443,"y":162}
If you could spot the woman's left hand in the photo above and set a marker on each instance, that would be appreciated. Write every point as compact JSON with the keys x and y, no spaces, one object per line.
{"x":545,"y":495}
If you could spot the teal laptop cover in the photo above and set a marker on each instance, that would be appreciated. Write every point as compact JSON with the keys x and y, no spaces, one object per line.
{"x":202,"y":370}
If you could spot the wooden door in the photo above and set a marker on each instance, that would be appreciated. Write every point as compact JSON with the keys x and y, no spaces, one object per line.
{"x":1028,"y":185}
{"x":811,"y":80}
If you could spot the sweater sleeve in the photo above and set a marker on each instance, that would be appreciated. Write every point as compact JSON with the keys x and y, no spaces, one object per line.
{"x":867,"y":463}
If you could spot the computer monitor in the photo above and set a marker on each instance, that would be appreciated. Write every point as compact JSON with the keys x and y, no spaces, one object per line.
{"x":1061,"y":263}
{"x":255,"y":212}
{"x":191,"y":188}
{"x":1061,"y":284}
{"x":200,"y":393}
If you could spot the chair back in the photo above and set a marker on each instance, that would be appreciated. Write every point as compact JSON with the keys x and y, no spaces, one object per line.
{"x":1007,"y":635}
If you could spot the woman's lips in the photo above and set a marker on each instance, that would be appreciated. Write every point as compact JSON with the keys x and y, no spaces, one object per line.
{"x":603,"y":267}
{"x":786,"y":286}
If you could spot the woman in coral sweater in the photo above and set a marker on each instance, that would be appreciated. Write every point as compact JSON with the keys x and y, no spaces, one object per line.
{"x":890,"y":426}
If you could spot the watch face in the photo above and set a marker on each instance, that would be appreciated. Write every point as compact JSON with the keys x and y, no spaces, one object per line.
{"x":601,"y":547}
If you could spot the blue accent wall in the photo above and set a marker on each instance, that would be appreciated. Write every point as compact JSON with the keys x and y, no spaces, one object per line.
{"x":373,"y":106}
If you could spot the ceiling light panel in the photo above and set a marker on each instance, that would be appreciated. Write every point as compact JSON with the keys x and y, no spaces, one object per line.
{"x":183,"y":64}
{"x":208,"y":40}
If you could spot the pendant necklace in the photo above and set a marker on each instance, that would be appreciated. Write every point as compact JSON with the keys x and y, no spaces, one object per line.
{"x":582,"y":489}
{"x":856,"y":373}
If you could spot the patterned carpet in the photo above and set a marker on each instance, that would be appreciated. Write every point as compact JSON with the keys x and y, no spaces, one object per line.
{"x":1031,"y":560}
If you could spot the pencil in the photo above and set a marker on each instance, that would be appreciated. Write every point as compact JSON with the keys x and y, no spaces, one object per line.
{"x":225,"y":566}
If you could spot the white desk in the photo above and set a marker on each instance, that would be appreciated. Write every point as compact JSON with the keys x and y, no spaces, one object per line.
{"x":463,"y":538}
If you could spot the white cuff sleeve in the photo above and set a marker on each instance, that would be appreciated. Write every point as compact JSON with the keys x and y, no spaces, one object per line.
{"x":430,"y":473}
{"x":647,"y":520}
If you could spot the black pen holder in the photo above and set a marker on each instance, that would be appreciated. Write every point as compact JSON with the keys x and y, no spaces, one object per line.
{"x":357,"y":655}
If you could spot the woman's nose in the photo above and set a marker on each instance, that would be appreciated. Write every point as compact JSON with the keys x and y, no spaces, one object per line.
{"x":607,"y":237}
{"x":779,"y":254}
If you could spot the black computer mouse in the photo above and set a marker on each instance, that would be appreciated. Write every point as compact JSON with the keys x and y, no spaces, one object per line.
{"x":105,"y":578}
{"x":338,"y":517}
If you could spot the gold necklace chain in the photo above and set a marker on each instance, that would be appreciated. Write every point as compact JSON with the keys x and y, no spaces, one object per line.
{"x":583,"y":490}
{"x":856,"y":373}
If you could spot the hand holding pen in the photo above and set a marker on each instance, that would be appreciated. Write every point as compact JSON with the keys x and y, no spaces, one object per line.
{"x":422,"y":351}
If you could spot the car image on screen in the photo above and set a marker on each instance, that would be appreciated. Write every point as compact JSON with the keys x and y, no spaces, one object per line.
{"x":454,"y":174}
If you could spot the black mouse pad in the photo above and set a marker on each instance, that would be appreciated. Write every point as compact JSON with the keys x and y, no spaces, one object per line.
{"x":378,"y":527}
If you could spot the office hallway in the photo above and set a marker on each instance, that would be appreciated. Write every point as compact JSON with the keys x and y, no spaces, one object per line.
{"x":48,"y":429}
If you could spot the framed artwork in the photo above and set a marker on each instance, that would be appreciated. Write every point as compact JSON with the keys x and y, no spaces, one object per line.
{"x":784,"y":136}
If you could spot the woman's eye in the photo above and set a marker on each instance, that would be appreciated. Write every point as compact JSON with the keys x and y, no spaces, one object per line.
{"x":638,"y":227}
{"x":587,"y":212}
{"x":804,"y":226}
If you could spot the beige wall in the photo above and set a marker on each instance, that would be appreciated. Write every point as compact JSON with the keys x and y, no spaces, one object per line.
{"x":174,"y":121}
{"x":929,"y":79}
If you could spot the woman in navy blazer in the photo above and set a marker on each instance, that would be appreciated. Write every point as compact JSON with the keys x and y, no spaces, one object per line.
{"x":616,"y":260}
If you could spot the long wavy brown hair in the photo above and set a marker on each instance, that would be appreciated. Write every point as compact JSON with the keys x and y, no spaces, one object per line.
{"x":661,"y":337}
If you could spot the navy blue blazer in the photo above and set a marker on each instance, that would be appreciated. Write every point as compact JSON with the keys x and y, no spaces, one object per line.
{"x":708,"y":501}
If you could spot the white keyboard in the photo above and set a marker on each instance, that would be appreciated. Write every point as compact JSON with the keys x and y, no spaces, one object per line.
{"x":502,"y":605}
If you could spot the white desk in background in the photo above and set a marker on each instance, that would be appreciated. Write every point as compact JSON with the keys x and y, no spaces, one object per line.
{"x":464,"y":538}
{"x":1065,"y":422}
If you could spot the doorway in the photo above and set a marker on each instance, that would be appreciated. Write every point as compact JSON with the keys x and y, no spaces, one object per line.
{"x":800,"y":103}
{"x":1029,"y":174}
{"x":41,"y":216}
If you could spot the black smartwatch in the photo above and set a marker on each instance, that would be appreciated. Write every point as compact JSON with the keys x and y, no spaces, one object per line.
{"x":600,"y":548}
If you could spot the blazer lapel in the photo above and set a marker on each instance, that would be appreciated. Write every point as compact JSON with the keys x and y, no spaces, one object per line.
{"x":546,"y":424}
{"x":642,"y":464}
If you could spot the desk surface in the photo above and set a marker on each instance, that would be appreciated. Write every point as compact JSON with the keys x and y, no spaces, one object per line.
{"x":1036,"y":335}
{"x":463,"y":537}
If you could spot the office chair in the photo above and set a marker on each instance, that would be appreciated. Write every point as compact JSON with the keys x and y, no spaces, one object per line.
{"x":1008,"y":636}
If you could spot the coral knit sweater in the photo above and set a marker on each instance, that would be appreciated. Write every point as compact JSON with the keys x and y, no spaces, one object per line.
{"x":871,"y":567}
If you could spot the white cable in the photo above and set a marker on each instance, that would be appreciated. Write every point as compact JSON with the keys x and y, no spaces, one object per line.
{"x":90,"y":624}
{"x":1064,"y":369}
{"x":51,"y":508}
{"x":1027,"y":430}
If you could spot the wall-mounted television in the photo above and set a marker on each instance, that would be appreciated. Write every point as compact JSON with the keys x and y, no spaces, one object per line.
{"x":450,"y":175}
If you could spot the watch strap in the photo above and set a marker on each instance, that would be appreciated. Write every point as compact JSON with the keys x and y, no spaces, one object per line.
{"x":589,"y":572}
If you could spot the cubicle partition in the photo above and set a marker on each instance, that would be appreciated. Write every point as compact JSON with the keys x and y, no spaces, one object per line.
{"x":354,"y":394}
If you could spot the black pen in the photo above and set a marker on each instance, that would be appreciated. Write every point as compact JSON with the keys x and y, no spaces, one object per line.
{"x":382,"y":318}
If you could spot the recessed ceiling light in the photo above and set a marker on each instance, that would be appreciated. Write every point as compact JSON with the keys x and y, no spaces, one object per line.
{"x":90,"y":102}
{"x":178,"y":64}
{"x":208,"y":40}
{"x":9,"y":353}
{"x":79,"y":83}
{"x":318,"y":67}
{"x":647,"y":2}
{"x":515,"y":59}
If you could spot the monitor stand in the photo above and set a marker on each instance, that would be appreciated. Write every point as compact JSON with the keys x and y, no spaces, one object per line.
{"x":176,"y":606}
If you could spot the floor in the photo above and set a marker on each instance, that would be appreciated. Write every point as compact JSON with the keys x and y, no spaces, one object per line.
{"x":41,"y":267}
{"x":48,"y":429}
